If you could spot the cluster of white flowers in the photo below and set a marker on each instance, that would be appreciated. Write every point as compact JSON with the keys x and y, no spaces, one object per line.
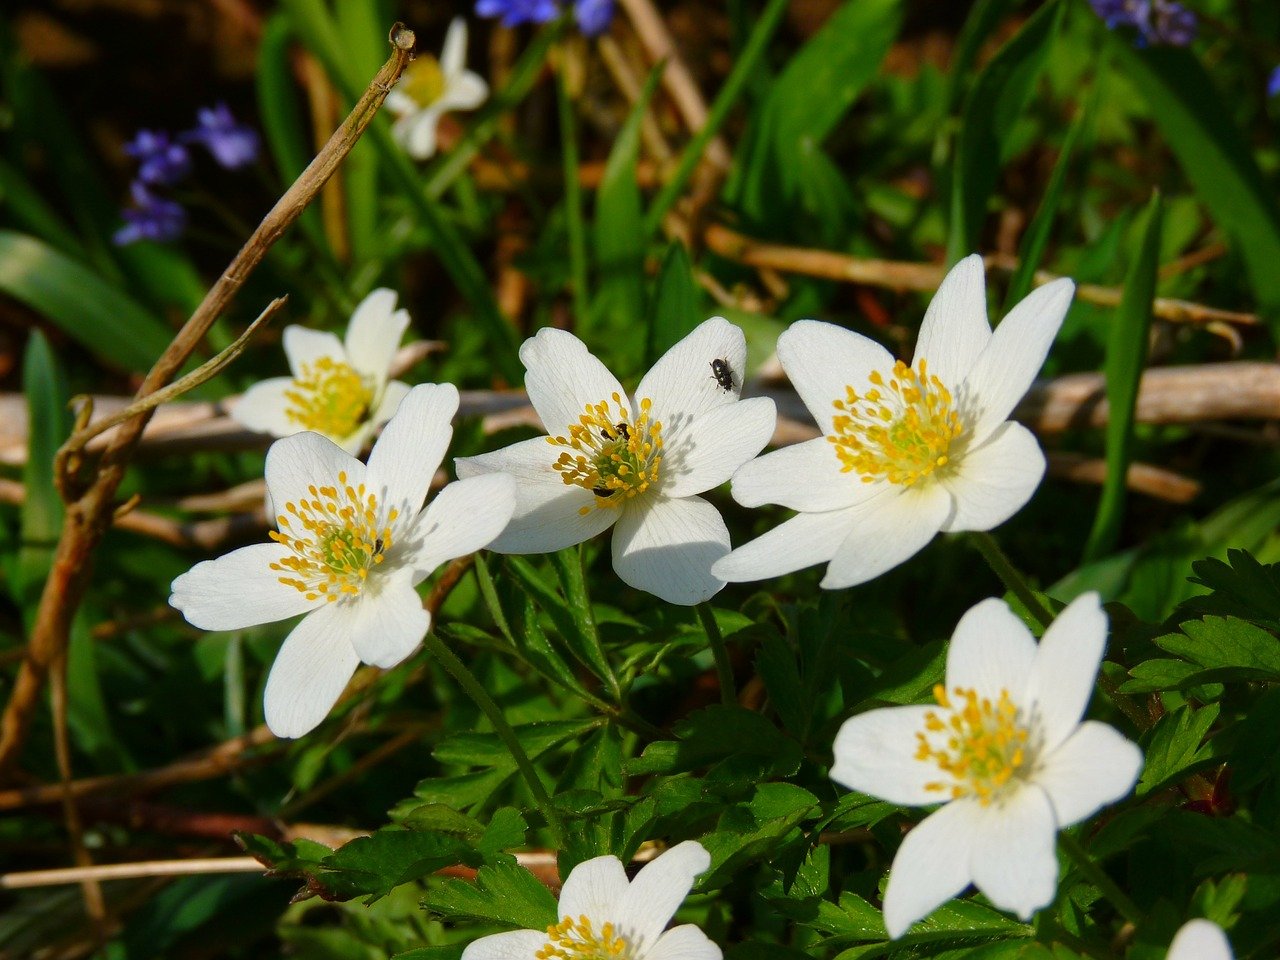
{"x":907,"y":451}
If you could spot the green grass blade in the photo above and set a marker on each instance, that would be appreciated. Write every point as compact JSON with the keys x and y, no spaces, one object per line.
{"x":48,"y":424}
{"x":675,"y":310}
{"x":1197,"y":126}
{"x":1126,"y":359}
{"x":1036,"y":239}
{"x":364,"y":38}
{"x":573,"y":201}
{"x":993,"y":106}
{"x":80,"y":302}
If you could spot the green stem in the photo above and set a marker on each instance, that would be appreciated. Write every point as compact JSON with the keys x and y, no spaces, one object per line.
{"x":572,"y":199}
{"x":471,"y":686}
{"x":1013,"y":581}
{"x":743,"y":70}
{"x":1098,"y":877}
{"x":724,"y":669}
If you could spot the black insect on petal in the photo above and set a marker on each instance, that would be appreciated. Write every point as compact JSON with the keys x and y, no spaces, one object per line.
{"x":722,"y":374}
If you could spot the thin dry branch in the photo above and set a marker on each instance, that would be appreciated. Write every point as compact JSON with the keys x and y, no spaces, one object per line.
{"x":91,"y":500}
{"x":905,"y":275}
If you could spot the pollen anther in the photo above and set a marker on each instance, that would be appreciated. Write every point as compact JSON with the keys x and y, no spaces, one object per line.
{"x":979,"y":744}
{"x":572,"y":939}
{"x":329,"y":397}
{"x":610,"y":453}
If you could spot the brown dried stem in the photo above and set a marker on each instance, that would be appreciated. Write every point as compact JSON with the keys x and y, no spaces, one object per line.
{"x":89,"y":511}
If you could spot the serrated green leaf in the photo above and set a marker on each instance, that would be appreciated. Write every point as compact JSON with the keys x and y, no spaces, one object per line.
{"x":1175,"y":746}
{"x":1151,"y":676}
{"x":371,"y":866}
{"x":751,"y":830}
{"x":488,"y":750}
{"x":503,"y":892}
{"x":1220,"y":642}
{"x":737,"y":744}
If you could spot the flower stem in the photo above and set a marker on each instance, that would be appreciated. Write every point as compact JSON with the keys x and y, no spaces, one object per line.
{"x":1013,"y":581}
{"x":1098,"y":877}
{"x":436,"y":647}
{"x":724,"y":670}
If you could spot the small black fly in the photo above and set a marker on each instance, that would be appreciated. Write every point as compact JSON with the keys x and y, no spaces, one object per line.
{"x":722,"y":374}
{"x":603,"y":491}
{"x":377,"y":547}
{"x":623,"y":430}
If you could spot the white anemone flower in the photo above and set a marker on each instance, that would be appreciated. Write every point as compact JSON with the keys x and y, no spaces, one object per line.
{"x":339,"y":390}
{"x":907,"y":451}
{"x":431,"y":88}
{"x":602,"y":915}
{"x":353,"y":543}
{"x":1200,"y":940}
{"x":639,"y":462}
{"x":1004,"y":750}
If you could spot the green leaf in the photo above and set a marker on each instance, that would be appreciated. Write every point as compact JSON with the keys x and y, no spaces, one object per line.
{"x":49,"y":423}
{"x":372,"y":866}
{"x":1126,"y":360}
{"x":675,"y":308}
{"x":1216,"y":643}
{"x":993,"y":106}
{"x":1151,"y":676}
{"x":1198,"y":127}
{"x":503,"y":892}
{"x":618,"y":235}
{"x":583,"y":644}
{"x":80,"y":303}
{"x":488,"y":750}
{"x":737,"y":744}
{"x":1175,"y":746}
{"x":278,"y":103}
{"x":1241,"y":586}
{"x":754,"y":829}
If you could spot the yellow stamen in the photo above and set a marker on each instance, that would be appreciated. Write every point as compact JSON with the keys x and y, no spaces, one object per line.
{"x":614,"y":457}
{"x":328,"y":397}
{"x":334,"y":540}
{"x":900,"y":431}
{"x":979,"y":744}
{"x":577,"y":940}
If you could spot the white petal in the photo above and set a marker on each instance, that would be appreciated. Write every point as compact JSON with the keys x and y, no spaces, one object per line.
{"x":681,"y":384}
{"x":563,"y":378}
{"x":411,"y":447}
{"x":237,"y":590}
{"x":931,"y":866}
{"x":262,"y":408}
{"x":1004,"y":371}
{"x":955,"y":329}
{"x":1200,"y":940}
{"x":991,"y":651}
{"x":466,"y":91}
{"x":512,"y":945}
{"x":1093,"y":767}
{"x":374,"y":334}
{"x":310,"y":672}
{"x":667,"y":547}
{"x":800,"y":542}
{"x":822,"y":359}
{"x":706,"y":453}
{"x":399,"y":102}
{"x":594,"y":889}
{"x":804,"y":476}
{"x":304,"y":460}
{"x":1066,"y":668}
{"x":657,"y":892}
{"x":993,"y":481}
{"x":548,"y":513}
{"x":886,"y":531}
{"x":304,"y":346}
{"x":875,"y":754}
{"x":1013,"y":860}
{"x":453,"y":55}
{"x":465,"y":516}
{"x":685,"y":942}
{"x":420,"y":133}
{"x":393,"y":395}
{"x":388,"y":620}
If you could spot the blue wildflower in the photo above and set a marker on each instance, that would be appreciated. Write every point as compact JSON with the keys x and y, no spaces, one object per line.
{"x":1273,"y":84}
{"x":516,"y":12}
{"x":232,"y":144}
{"x":593,"y":16}
{"x":150,"y":218}
{"x":1158,"y":22}
{"x":160,"y":159}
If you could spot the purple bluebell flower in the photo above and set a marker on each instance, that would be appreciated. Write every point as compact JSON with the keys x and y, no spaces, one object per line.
{"x":516,"y":12}
{"x":1273,"y":84}
{"x":150,"y":218}
{"x":593,"y":16}
{"x":232,"y":144}
{"x":1157,"y":22}
{"x":160,"y":159}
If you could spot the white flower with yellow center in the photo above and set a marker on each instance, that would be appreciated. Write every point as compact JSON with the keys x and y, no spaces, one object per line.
{"x":639,"y":462}
{"x":1200,"y":940}
{"x":907,"y":451}
{"x":338,"y":390}
{"x":1004,"y":750}
{"x":605,"y":917}
{"x":431,"y":88}
{"x":353,"y":543}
